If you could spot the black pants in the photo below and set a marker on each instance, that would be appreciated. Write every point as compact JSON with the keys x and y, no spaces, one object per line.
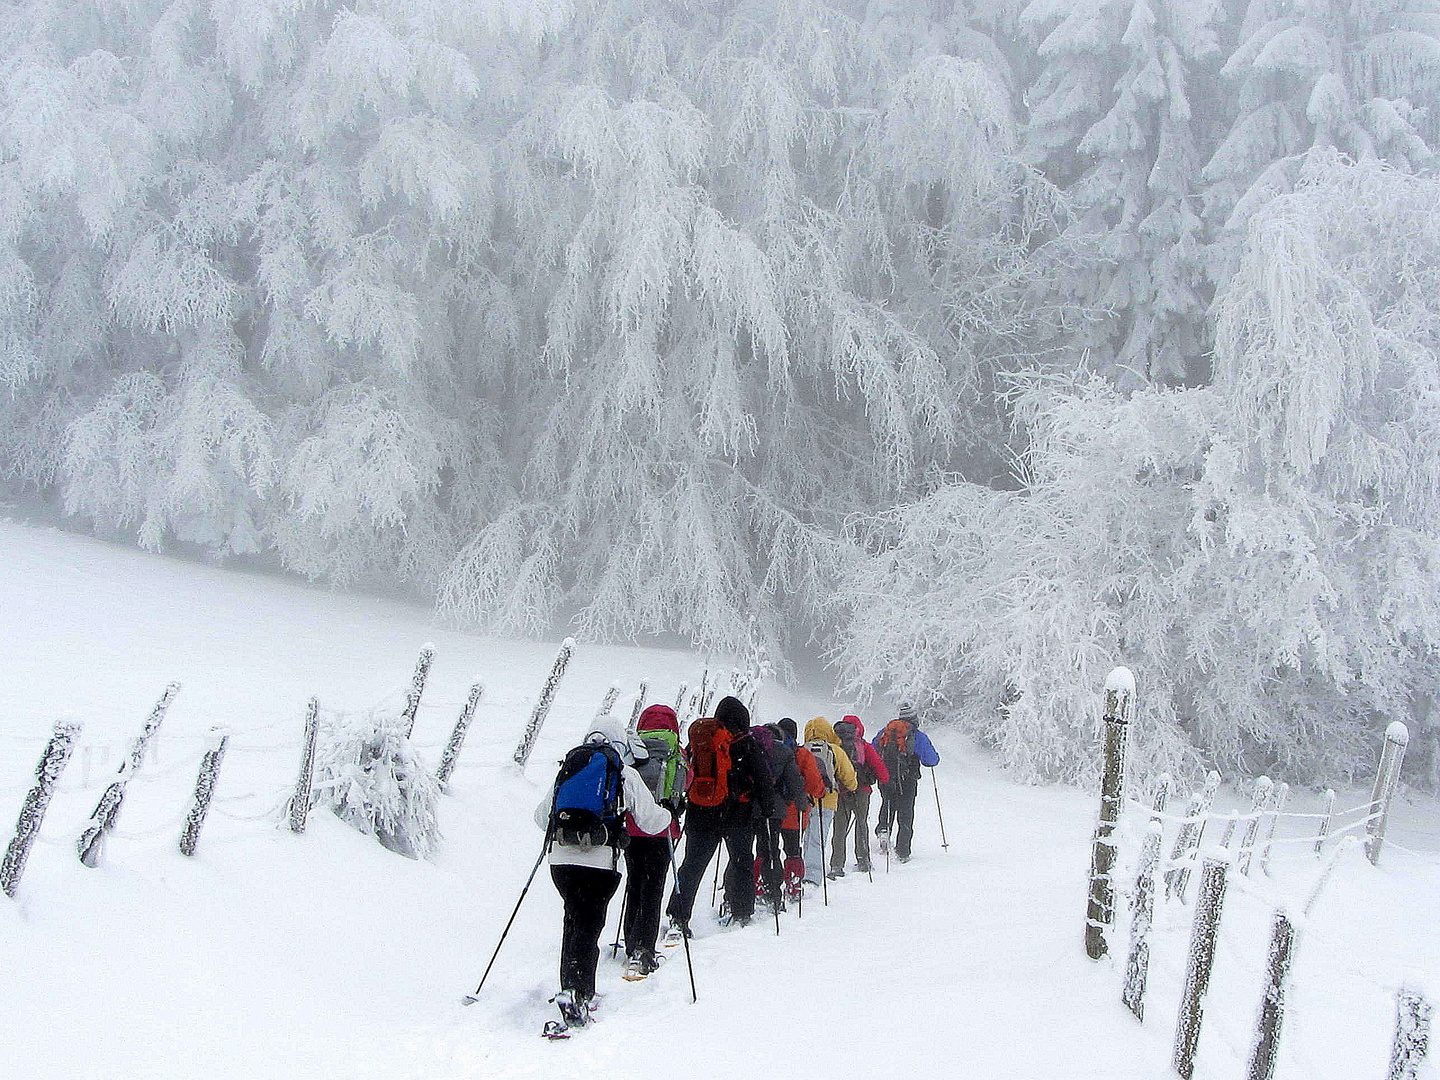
{"x":897,"y":810}
{"x":586,"y":891}
{"x":767,"y":857}
{"x":647,"y":862}
{"x":703,"y":835}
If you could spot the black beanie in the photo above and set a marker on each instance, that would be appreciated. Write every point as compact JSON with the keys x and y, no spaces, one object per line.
{"x":787,"y":725}
{"x":732,"y":713}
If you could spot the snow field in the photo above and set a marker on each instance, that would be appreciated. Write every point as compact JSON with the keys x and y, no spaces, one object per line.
{"x":321,"y":956}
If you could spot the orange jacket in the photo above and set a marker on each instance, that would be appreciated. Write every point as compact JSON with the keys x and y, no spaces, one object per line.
{"x":814,"y":786}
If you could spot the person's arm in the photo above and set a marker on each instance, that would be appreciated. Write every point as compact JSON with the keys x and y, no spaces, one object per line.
{"x":650,"y":817}
{"x":876,"y":762}
{"x":925,"y":750}
{"x":844,"y":770}
{"x":809,"y":772}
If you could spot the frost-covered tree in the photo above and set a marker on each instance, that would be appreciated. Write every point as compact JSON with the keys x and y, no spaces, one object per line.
{"x":1361,"y":77}
{"x":1258,"y":551}
{"x":1111,"y":117}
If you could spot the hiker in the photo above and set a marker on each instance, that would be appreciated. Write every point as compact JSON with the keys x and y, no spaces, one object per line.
{"x":797,"y":814}
{"x":648,"y":856}
{"x":730,"y":789}
{"x":855,"y":805}
{"x":904,"y":748}
{"x":582,"y":816}
{"x":788,"y":788}
{"x":838,"y":776}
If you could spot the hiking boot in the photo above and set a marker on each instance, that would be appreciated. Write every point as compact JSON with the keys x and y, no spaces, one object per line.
{"x":862,"y":868}
{"x":675,"y":933}
{"x":902,"y":858}
{"x":882,"y":840}
{"x":836,"y":872}
{"x":574,"y":1007}
{"x":639,"y":964}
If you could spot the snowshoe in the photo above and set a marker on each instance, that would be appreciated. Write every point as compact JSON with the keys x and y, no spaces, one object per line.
{"x":882,"y":841}
{"x":835,"y":872}
{"x":574,"y":1009}
{"x":902,"y":858}
{"x":639,"y":965}
{"x":675,"y":934}
{"x":555,"y":1029}
{"x":862,"y":868}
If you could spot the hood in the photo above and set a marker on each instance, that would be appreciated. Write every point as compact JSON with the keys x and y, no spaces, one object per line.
{"x":853,"y":720}
{"x":658,"y":718}
{"x":731,"y":712}
{"x":820,"y":728}
{"x":606,"y":728}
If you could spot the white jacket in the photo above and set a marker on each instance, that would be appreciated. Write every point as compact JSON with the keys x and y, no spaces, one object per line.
{"x":649,"y":815}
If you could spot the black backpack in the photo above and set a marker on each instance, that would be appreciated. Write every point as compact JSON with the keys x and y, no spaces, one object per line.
{"x":850,"y":743}
{"x":587,"y":810}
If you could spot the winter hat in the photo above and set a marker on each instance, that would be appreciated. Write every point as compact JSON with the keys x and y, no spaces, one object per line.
{"x":731,"y":712}
{"x":907,"y":712}
{"x":658,"y":718}
{"x":787,"y":725}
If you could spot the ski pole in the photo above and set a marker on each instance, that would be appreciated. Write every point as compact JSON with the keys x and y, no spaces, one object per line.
{"x":470,"y":999}
{"x":770,"y":874}
{"x":624,"y":903}
{"x":824,"y":876}
{"x":945,"y":844}
{"x":685,"y":931}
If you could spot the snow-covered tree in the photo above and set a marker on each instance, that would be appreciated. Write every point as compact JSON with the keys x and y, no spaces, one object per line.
{"x":1257,"y":551}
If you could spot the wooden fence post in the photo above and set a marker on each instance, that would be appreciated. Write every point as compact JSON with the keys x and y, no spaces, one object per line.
{"x":1272,"y":1006}
{"x":1412,"y":1035}
{"x":1325,"y":822}
{"x":102,"y":819}
{"x":1197,"y":971}
{"x":299,"y":810}
{"x":612,"y":695}
{"x":457,"y":736}
{"x":37,"y":801}
{"x":417,"y":687}
{"x":1278,"y":802}
{"x":542,"y":705}
{"x":1387,"y":779}
{"x":1264,"y":792}
{"x":680,"y":701}
{"x":635,"y":710}
{"x":1187,"y":842}
{"x":204,"y":789}
{"x":1143,"y":906}
{"x":1100,"y":909}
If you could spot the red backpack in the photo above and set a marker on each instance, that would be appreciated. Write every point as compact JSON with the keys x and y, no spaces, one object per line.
{"x":709,"y":763}
{"x":897,"y":750}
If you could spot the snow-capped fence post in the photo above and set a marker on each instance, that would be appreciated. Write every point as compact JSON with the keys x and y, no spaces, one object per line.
{"x":1100,"y":910}
{"x":1137,"y":967}
{"x":1412,"y":1034}
{"x":612,"y":695}
{"x":1187,"y":842}
{"x":457,"y":736}
{"x":680,"y":700}
{"x":1387,"y":779}
{"x":102,"y":819}
{"x":638,"y":707}
{"x":1272,"y":1006}
{"x":1264,"y":792}
{"x":299,"y":809}
{"x":417,"y":687}
{"x":204,"y":789}
{"x":542,"y":706}
{"x":1324,"y":833}
{"x":1278,"y":803}
{"x":1201,"y":959}
{"x":37,"y":801}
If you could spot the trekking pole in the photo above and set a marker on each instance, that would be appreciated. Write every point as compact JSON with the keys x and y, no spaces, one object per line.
{"x":685,"y":931}
{"x":624,"y":901}
{"x":943,"y":842}
{"x":715,"y":885}
{"x":770,"y":873}
{"x":824,"y":877}
{"x":470,"y":999}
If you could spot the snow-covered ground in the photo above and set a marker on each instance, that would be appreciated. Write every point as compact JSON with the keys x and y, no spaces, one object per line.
{"x":275,"y":956}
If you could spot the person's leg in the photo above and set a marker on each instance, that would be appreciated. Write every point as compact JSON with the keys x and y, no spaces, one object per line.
{"x":767,"y":843}
{"x":862,"y":829}
{"x":586,"y":892}
{"x":739,"y":879}
{"x":794,"y":864}
{"x":905,"y":817}
{"x":844,"y":810}
{"x":648,"y":860}
{"x":701,"y":840}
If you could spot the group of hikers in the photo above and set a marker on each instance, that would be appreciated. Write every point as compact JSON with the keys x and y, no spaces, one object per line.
{"x":775,"y":802}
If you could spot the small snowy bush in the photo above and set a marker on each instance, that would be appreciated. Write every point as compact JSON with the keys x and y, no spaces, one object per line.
{"x":367,"y":772}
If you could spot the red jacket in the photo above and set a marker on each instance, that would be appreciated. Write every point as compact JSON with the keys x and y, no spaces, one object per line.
{"x":872,"y":756}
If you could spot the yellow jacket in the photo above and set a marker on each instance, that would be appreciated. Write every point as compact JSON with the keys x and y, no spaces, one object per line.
{"x":820,"y":728}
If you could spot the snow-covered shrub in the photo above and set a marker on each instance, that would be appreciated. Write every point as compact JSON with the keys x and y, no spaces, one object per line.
{"x":368,"y":773}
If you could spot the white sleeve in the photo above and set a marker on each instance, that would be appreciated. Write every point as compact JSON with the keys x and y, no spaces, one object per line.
{"x":650,"y":817}
{"x":542,"y":812}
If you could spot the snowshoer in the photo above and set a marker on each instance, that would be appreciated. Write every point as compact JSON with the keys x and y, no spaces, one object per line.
{"x":904,"y":748}
{"x":647,"y":855}
{"x":855,"y":805}
{"x":730,"y":789}
{"x":839,"y":776}
{"x":788,"y":787}
{"x":797,"y":815}
{"x":583,"y":818}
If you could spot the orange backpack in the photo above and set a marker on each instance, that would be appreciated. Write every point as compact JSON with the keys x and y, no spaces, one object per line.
{"x":709,"y":763}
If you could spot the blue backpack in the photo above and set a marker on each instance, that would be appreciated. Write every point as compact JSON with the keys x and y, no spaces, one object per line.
{"x":587,"y":809}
